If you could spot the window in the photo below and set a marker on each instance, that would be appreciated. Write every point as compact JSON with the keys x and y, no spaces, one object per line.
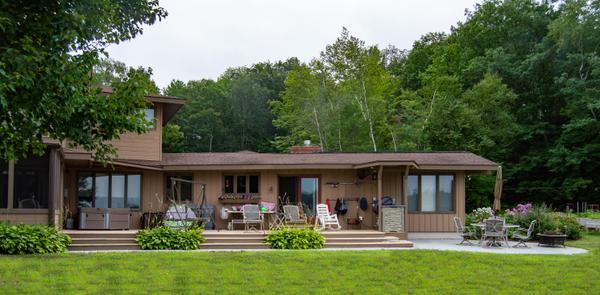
{"x":32,"y":182}
{"x":241,"y":184}
{"x":134,"y":190}
{"x":430,"y":193}
{"x":149,"y":116}
{"x":107,"y":190}
{"x":253,"y":189}
{"x":3,"y":184}
{"x":413,"y":193}
{"x":182,"y":189}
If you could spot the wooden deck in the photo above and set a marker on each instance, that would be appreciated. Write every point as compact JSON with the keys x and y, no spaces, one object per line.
{"x":98,"y":240}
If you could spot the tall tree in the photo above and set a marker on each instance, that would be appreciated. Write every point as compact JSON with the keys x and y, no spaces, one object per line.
{"x":47,"y":52}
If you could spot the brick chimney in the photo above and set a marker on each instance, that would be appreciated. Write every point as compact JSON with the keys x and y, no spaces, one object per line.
{"x":307,"y":148}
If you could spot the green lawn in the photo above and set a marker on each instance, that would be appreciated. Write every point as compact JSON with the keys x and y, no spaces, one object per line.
{"x":349,"y":272}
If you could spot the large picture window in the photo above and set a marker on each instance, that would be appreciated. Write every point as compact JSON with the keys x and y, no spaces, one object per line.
{"x":109,"y":190}
{"x":430,"y":193}
{"x":241,"y":184}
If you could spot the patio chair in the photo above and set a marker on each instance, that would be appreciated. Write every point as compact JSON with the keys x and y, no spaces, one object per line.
{"x":524,"y":236}
{"x":464,"y":232}
{"x":327,"y":220}
{"x":252,"y":215}
{"x":292,"y":215}
{"x":494,"y":230}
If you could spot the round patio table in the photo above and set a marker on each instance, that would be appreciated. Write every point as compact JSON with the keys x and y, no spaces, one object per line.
{"x":505,"y":227}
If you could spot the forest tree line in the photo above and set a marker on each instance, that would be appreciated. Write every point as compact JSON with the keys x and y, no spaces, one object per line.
{"x":517,"y":82}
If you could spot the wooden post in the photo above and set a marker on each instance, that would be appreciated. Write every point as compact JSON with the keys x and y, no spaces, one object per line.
{"x":405,"y":197}
{"x":11,"y":184}
{"x":380,"y":196}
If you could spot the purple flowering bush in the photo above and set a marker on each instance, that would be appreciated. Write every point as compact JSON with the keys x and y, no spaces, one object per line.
{"x":519,"y":209}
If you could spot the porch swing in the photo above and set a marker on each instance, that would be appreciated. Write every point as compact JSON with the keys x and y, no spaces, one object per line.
{"x":180,"y":215}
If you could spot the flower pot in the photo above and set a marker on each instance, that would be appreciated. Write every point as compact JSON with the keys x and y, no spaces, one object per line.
{"x":70,"y":223}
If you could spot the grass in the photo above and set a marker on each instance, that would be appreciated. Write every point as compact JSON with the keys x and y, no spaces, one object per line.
{"x":589,"y":214}
{"x":317,"y":272}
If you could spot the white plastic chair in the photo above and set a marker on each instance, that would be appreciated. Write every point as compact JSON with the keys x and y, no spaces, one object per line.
{"x":326,"y":220}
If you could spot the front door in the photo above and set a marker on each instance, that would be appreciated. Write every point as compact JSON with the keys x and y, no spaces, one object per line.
{"x":300,"y":189}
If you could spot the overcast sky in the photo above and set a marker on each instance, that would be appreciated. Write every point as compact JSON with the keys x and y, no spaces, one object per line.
{"x":200,"y":39}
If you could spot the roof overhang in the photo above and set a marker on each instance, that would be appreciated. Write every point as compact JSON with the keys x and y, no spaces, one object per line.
{"x":386,"y":163}
{"x":87,"y":157}
{"x":171,"y":105}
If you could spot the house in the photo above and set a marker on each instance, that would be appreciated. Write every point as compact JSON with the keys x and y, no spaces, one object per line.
{"x":428,"y":187}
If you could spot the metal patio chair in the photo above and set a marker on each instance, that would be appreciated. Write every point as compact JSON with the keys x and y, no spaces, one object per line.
{"x":464,"y":232}
{"x":252,"y":215}
{"x":524,"y":236}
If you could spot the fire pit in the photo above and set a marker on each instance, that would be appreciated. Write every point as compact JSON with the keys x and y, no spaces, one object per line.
{"x":551,"y":239}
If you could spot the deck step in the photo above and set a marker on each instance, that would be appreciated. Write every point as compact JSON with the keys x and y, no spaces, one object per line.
{"x":237,"y":240}
{"x":87,"y":241}
{"x":359,"y":240}
{"x":95,"y":247}
{"x":234,"y":246}
{"x":232,"y":240}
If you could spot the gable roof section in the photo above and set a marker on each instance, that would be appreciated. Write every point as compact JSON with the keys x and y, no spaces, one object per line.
{"x":250,"y":160}
{"x":172,"y":104}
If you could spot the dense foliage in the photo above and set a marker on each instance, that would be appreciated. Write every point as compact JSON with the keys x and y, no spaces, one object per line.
{"x":32,"y":239}
{"x":230,"y":114}
{"x":165,"y":238}
{"x":295,"y":238}
{"x":517,"y":82}
{"x":48,"y":51}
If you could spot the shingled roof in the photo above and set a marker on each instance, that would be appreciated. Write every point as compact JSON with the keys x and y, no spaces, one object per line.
{"x":349,"y":160}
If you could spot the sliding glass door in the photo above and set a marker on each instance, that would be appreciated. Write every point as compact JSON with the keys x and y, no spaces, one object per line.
{"x":302,"y":190}
{"x":309,"y":192}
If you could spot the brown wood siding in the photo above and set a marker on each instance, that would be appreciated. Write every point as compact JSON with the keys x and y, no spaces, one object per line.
{"x":145,"y":146}
{"x":269,"y":189}
{"x":26,"y":216}
{"x":441,"y":222}
{"x":153,"y":194}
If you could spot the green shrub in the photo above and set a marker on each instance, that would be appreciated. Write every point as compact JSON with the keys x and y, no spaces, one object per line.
{"x":32,"y":239}
{"x":295,"y":238}
{"x":165,"y":238}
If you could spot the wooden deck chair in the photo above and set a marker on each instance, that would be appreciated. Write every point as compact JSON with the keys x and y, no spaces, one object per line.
{"x":325,"y":220}
{"x":292,"y":215}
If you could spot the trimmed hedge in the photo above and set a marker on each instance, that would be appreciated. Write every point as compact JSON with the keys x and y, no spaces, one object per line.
{"x":165,"y":238}
{"x":32,"y":239}
{"x":295,"y":238}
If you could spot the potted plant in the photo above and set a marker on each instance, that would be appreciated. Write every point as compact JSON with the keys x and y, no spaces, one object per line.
{"x":68,"y":221}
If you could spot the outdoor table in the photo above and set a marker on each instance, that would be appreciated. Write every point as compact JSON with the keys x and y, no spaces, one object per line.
{"x":505,"y":227}
{"x":275,"y":218}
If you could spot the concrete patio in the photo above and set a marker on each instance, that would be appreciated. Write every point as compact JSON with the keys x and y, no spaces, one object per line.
{"x":449,"y":241}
